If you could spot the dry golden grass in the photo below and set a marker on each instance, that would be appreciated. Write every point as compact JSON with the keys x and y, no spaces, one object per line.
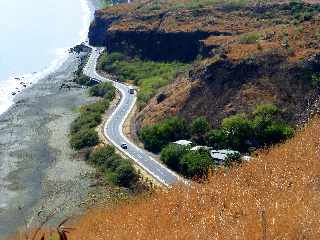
{"x":275,"y":196}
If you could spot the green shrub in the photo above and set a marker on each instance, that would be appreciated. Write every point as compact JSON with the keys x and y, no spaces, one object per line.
{"x":302,"y":11}
{"x":118,"y":170}
{"x":250,"y":38}
{"x":239,"y":131}
{"x":277,"y":132}
{"x":84,"y":138}
{"x":125,"y":174}
{"x":217,"y":139}
{"x":267,"y":126}
{"x":85,"y":121}
{"x":315,"y":80}
{"x":83,"y":80}
{"x":171,"y":155}
{"x":101,"y":155}
{"x":196,"y":164}
{"x":97,"y":107}
{"x":105,"y":89}
{"x":199,"y":128}
{"x":157,"y":136}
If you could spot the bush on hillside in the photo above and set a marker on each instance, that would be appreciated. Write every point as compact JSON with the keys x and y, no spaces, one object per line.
{"x":238,"y":131}
{"x":241,"y":133}
{"x":90,"y":116}
{"x":157,"y":136}
{"x":84,"y":138}
{"x":118,"y":170}
{"x":199,"y":128}
{"x":172,"y":154}
{"x":196,"y":164}
{"x":105,"y":90}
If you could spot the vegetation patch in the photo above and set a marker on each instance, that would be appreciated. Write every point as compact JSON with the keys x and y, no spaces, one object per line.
{"x":105,"y":90}
{"x":148,"y":75}
{"x":194,"y":5}
{"x":191,"y":164}
{"x":303,"y":12}
{"x":82,"y":132}
{"x":117,"y":170}
{"x":240,"y":132}
{"x":250,"y":38}
{"x":243,"y":133}
{"x":157,"y":136}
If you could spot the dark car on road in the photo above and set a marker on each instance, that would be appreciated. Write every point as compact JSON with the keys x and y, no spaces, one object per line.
{"x":124,"y":146}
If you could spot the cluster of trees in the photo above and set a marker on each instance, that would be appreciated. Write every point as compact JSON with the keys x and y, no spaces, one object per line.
{"x":105,"y":90}
{"x":190,"y":164}
{"x":157,"y":136}
{"x":119,"y":171}
{"x":239,"y":132}
{"x":82,"y":132}
{"x":263,"y":127}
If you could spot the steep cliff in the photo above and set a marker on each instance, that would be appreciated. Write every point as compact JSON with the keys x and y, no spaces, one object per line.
{"x":243,"y":52}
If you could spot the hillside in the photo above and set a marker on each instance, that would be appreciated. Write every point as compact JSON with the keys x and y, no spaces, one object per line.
{"x":243,"y":53}
{"x":274,"y":196}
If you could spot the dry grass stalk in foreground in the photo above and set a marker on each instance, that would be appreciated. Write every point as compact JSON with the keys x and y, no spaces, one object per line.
{"x":275,"y":196}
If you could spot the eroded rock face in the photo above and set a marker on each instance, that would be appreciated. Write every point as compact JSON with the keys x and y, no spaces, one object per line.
{"x":152,"y":36}
{"x":223,"y":88}
{"x":247,"y":56}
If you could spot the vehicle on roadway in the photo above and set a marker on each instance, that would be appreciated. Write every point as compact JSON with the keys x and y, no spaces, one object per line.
{"x":124,"y":146}
{"x":131,"y":90}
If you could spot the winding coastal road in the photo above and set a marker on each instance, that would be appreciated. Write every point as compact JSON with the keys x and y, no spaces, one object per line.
{"x":113,"y":129}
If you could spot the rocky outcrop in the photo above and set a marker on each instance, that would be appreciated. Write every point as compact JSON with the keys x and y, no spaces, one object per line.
{"x":151,"y":36}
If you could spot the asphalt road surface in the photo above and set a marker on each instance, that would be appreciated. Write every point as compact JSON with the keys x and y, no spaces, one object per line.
{"x":113,"y":129}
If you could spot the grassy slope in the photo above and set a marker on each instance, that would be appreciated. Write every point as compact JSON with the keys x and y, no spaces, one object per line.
{"x":276,"y":196}
{"x":148,"y":75}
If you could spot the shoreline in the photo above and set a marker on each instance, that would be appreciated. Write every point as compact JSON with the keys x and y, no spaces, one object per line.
{"x":44,"y":171}
{"x":16,"y":85}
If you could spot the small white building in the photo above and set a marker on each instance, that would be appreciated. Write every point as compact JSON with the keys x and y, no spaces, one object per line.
{"x":185,"y":143}
{"x":219,"y":156}
{"x":197,"y":148}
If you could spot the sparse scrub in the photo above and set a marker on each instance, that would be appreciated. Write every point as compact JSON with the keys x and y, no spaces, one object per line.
{"x":303,"y":12}
{"x":250,"y":38}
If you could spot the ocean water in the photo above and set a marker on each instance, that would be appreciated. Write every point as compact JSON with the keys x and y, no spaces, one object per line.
{"x":35,"y":36}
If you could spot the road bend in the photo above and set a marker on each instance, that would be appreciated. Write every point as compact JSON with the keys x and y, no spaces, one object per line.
{"x":113,"y":128}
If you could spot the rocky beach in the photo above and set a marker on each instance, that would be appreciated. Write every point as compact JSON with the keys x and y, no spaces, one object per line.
{"x":44,"y":174}
{"x":40,"y":175}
